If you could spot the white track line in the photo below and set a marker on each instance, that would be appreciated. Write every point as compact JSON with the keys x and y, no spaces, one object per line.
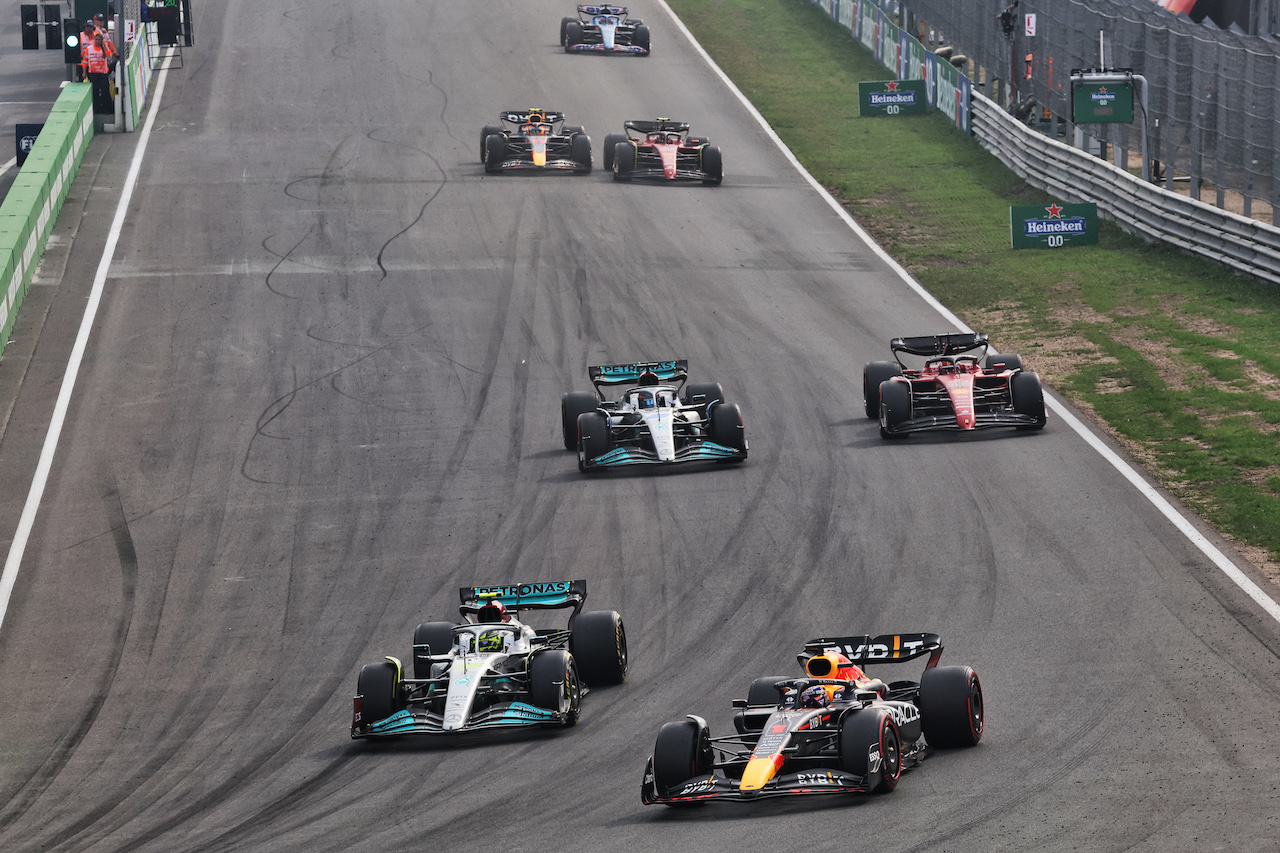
{"x":41,"y":479}
{"x":13,"y":161}
{"x":1185,"y":527}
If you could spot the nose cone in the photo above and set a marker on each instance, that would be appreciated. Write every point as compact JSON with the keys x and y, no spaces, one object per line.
{"x":539,"y":153}
{"x":759,"y":771}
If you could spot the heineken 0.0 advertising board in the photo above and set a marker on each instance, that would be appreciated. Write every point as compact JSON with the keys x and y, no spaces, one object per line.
{"x":1098,"y":103}
{"x":1053,"y":226}
{"x":891,"y":98}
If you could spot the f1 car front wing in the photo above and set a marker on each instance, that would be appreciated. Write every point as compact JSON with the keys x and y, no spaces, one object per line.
{"x":820,"y":780}
{"x":701,"y":452}
{"x":420,"y":722}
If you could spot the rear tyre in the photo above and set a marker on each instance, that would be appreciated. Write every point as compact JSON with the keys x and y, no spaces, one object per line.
{"x":871,"y":748}
{"x":681,"y":752}
{"x":593,"y":438}
{"x":640,"y":37}
{"x":380,"y":692}
{"x":554,"y":685}
{"x":599,"y":645}
{"x":1004,"y":361}
{"x":495,"y":148}
{"x":571,"y":405}
{"x":1028,"y":398}
{"x":763,"y":691}
{"x":624,"y":161}
{"x":485,"y":132}
{"x":580,"y":151}
{"x":703,"y":393}
{"x":895,"y":407}
{"x":873,"y":374}
{"x":712,"y":165}
{"x":438,"y":636}
{"x":564,"y":25}
{"x":951,"y":710}
{"x":727,"y":428}
{"x":611,"y":141}
{"x":572,"y":35}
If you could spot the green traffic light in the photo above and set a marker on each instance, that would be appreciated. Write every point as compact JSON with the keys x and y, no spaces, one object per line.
{"x":73,"y":41}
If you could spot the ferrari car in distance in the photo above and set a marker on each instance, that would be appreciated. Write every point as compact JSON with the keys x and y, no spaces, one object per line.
{"x":658,"y":421}
{"x":662,"y":149}
{"x":492,"y":670}
{"x":834,"y":731}
{"x":953,"y":382}
{"x":534,"y":139}
{"x":604,"y":29}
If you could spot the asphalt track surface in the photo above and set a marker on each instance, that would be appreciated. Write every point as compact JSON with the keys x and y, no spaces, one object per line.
{"x":322,"y":394}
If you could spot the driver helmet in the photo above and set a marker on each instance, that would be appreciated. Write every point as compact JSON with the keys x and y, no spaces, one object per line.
{"x":489,"y":642}
{"x":789,"y":698}
{"x":493,"y":611}
{"x":657,"y":137}
{"x":673,"y":138}
{"x":814,"y":697}
{"x":644,"y":400}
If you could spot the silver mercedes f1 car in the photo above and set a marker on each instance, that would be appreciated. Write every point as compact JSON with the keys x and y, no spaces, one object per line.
{"x":494,"y":671}
{"x":658,"y":421}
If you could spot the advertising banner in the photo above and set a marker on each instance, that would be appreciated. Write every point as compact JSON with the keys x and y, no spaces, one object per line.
{"x":1053,"y":226}
{"x":892,"y":98}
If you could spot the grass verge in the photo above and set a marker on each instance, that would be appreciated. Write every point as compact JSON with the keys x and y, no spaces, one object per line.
{"x":1174,"y":356}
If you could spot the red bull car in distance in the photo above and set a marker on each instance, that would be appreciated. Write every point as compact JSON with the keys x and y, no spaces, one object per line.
{"x":959,"y":386}
{"x":662,"y":149}
{"x":494,"y":671}
{"x":604,"y":29}
{"x":660,"y":421}
{"x":534,"y":139}
{"x":834,"y":731}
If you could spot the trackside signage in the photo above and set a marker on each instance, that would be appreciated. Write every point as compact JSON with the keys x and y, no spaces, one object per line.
{"x":1053,"y":226}
{"x":892,"y":98}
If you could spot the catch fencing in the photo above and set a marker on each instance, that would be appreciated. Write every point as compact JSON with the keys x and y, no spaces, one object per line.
{"x":1214,"y":95}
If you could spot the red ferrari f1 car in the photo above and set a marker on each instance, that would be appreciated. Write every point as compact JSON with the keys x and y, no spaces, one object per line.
{"x":834,"y":731}
{"x":959,"y":386}
{"x":662,"y":148}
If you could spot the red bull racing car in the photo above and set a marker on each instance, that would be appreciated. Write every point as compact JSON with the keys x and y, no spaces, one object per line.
{"x":662,"y":148}
{"x":953,"y":383}
{"x":834,"y":731}
{"x":604,"y":29}
{"x":534,"y":139}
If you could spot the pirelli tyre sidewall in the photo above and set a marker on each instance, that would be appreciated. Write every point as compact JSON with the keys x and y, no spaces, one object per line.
{"x":554,"y":684}
{"x":599,"y":645}
{"x":871,"y":747}
{"x":380,"y":691}
{"x":951,"y":707}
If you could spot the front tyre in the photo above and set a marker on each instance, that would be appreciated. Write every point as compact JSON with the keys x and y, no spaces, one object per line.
{"x":485,"y":132}
{"x":593,"y":438}
{"x":495,"y":150}
{"x":640,"y":37}
{"x":873,"y":374}
{"x":564,"y":26}
{"x":380,"y":690}
{"x":951,"y":709}
{"x":571,"y":405}
{"x":727,"y":428}
{"x":624,"y":161}
{"x":895,"y":407}
{"x":1028,"y":398}
{"x":712,"y":166}
{"x":572,"y":35}
{"x":580,"y":151}
{"x":554,"y":685}
{"x":611,"y":141}
{"x":871,"y":747}
{"x":681,"y":752}
{"x":599,"y":645}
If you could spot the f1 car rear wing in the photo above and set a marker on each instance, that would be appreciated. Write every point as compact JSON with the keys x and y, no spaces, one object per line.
{"x":629,"y":374}
{"x":522,"y":116}
{"x":939,"y":345}
{"x":547,"y":595}
{"x":602,"y":10}
{"x":663,"y":125}
{"x":886,"y":648}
